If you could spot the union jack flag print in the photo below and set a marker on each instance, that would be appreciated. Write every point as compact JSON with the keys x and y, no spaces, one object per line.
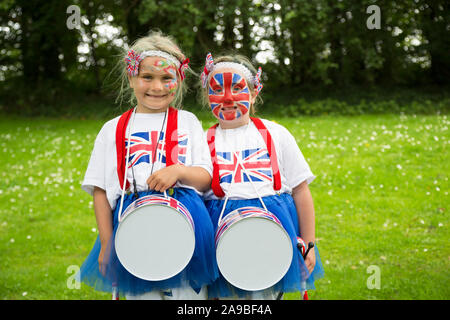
{"x":240,"y":214}
{"x":256,"y":162}
{"x":182,"y":149}
{"x":143,"y":147}
{"x":160,"y":200}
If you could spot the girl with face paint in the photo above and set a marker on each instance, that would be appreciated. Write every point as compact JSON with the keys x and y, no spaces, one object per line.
{"x":152,"y":148}
{"x":230,"y":96}
{"x":256,"y":159}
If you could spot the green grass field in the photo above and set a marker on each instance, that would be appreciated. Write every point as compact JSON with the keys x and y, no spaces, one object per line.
{"x":381,"y":199}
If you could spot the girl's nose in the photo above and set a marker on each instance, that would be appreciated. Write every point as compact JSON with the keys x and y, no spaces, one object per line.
{"x":228,"y":97}
{"x":156,"y":85}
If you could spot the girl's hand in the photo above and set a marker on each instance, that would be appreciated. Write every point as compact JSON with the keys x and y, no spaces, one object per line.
{"x":164,"y":178}
{"x":310,"y":260}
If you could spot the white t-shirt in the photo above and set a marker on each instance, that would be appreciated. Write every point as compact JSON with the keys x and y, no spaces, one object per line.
{"x":252,"y":151}
{"x":146,"y":127}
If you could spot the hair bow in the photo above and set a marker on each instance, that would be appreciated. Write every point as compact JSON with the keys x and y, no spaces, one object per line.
{"x":184,"y":65}
{"x":257,"y":81}
{"x":209,"y":64}
{"x":133,"y":59}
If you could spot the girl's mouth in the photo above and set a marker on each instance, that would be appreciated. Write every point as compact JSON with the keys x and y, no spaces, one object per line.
{"x":228,"y":109}
{"x":156,"y":96}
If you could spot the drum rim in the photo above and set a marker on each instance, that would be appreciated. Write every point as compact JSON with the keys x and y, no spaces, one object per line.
{"x":126,"y":213}
{"x":272,"y":221}
{"x":165,"y":206}
{"x":220,"y":231}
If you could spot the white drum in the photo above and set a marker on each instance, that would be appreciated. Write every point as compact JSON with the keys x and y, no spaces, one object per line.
{"x":155,"y":239}
{"x":253,"y":249}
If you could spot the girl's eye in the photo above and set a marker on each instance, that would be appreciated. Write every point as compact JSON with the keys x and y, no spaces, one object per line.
{"x":237,"y":88}
{"x":147,"y":77}
{"x":217,"y":89}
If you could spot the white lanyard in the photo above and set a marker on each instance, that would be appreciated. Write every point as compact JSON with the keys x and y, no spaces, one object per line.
{"x":239,"y":163}
{"x":128,"y":155}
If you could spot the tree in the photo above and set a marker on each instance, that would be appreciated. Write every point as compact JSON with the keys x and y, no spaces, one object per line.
{"x":434,"y":22}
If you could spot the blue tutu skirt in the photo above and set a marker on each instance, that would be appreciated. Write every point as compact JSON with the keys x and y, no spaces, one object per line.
{"x":200,"y":271}
{"x":297,"y":278}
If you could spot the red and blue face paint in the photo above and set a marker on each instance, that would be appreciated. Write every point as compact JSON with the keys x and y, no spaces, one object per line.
{"x":229,"y":96}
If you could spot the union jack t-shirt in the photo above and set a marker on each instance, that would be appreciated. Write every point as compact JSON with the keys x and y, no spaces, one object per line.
{"x":244,"y":147}
{"x":149,"y":147}
{"x":146,"y":152}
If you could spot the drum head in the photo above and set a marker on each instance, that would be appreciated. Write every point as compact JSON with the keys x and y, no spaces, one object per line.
{"x":254,"y":253}
{"x":155,"y":242}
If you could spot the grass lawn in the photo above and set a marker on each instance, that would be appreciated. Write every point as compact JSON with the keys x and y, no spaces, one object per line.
{"x":381,"y":199}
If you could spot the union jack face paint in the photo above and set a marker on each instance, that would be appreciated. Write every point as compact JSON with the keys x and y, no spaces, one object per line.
{"x":229,"y":95}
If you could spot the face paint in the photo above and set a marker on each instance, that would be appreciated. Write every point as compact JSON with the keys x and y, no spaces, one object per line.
{"x":170,"y":79}
{"x":173,"y":83}
{"x":228,"y":95}
{"x":161,"y":64}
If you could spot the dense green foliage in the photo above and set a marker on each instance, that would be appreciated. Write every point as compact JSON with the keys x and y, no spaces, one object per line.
{"x":300,"y":44}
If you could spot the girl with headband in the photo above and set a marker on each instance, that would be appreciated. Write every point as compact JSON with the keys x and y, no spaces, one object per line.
{"x":133,"y":156}
{"x":256,"y":159}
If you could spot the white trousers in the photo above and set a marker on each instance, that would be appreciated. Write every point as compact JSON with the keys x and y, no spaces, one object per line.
{"x":184,"y":293}
{"x":257,"y":295}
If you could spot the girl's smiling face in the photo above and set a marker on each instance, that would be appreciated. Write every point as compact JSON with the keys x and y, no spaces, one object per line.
{"x":229,"y":94}
{"x":155,"y":85}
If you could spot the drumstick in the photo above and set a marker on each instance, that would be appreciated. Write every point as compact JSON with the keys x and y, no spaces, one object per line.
{"x":299,"y":247}
{"x":310,"y":246}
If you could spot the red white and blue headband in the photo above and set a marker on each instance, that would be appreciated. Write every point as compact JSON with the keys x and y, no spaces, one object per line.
{"x":255,"y":81}
{"x":133,"y":59}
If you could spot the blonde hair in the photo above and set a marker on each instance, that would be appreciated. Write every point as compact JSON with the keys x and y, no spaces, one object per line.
{"x":155,"y":40}
{"x":237,"y":59}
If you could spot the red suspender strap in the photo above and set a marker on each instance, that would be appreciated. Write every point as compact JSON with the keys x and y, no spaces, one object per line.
{"x":172,"y":137}
{"x":215,"y":185}
{"x":217,"y":189}
{"x":171,"y":143}
{"x":120,"y":145}
{"x":272,"y":152}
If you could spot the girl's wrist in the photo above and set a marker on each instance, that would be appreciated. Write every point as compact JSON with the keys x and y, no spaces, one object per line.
{"x":180,"y":172}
